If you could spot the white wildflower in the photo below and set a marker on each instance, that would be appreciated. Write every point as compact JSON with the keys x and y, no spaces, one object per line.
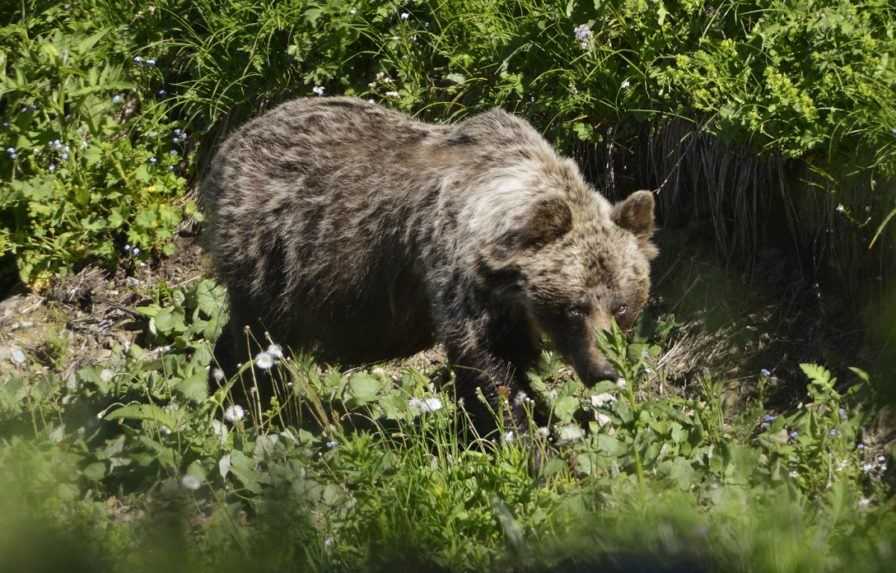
{"x":507,"y":437}
{"x":626,"y":84}
{"x":17,"y":356}
{"x":218,"y":374}
{"x":569,"y":433}
{"x":264,"y":360}
{"x":405,"y":16}
{"x":543,"y":432}
{"x":318,"y":90}
{"x":425,"y":405}
{"x":190,"y":482}
{"x":276,"y":351}
{"x":793,"y":474}
{"x":602,"y":399}
{"x":841,"y":208}
{"x":620,"y":382}
{"x":583,"y":35}
{"x":602,"y":419}
{"x":864,"y":503}
{"x":234,"y":414}
{"x":391,"y":94}
{"x":520,"y":398}
{"x":106,"y":375}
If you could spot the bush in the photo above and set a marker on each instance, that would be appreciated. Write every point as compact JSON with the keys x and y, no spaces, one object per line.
{"x":90,"y":171}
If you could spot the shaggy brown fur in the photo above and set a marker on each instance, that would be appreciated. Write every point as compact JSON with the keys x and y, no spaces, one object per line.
{"x":355,"y":232}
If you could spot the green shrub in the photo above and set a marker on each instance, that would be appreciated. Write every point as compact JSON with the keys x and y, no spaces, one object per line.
{"x":90,"y":171}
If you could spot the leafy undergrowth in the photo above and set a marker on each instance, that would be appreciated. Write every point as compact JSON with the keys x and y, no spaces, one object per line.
{"x":130,"y":464}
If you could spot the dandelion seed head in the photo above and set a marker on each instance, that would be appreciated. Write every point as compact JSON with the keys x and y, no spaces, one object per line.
{"x":425,"y":405}
{"x":569,"y":433}
{"x":190,"y":482}
{"x":264,"y":360}
{"x":234,"y":414}
{"x":275,"y":350}
{"x":106,"y":375}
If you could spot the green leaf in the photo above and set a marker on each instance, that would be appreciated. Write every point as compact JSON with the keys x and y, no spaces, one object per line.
{"x":610,"y":445}
{"x":244,"y":469}
{"x":194,"y":388}
{"x":565,"y":408}
{"x":95,"y":471}
{"x":363,"y":388}
{"x":816,"y":373}
{"x":146,"y":412}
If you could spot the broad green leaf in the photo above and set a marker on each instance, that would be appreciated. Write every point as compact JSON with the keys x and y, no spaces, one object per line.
{"x":148,"y":412}
{"x":363,"y":388}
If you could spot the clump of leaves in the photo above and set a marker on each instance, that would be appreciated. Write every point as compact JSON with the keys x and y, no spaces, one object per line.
{"x":85,"y":179}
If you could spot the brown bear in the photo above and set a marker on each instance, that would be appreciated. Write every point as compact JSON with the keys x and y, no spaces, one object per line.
{"x":357,"y":233}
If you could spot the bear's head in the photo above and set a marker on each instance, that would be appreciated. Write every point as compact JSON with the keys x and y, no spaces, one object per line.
{"x":575,"y":263}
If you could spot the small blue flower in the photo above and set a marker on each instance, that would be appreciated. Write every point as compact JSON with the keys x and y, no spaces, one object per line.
{"x":861,"y":446}
{"x":768,"y":419}
{"x":843,"y":414}
{"x":793,"y":435}
{"x":161,"y":93}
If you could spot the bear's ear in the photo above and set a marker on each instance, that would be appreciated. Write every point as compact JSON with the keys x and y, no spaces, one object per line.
{"x":546,"y":221}
{"x":635,"y":214}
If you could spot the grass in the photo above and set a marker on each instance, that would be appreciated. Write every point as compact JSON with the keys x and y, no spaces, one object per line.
{"x":131,"y":464}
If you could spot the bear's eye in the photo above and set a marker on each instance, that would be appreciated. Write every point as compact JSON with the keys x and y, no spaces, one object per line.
{"x":577,"y":311}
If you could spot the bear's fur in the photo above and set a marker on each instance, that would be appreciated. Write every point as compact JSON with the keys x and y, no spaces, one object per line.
{"x":353,"y":231}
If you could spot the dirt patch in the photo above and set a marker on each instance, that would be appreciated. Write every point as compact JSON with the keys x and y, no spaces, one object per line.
{"x":81,"y":318}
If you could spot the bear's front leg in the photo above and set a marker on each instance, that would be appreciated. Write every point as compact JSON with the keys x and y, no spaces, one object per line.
{"x":497,"y":366}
